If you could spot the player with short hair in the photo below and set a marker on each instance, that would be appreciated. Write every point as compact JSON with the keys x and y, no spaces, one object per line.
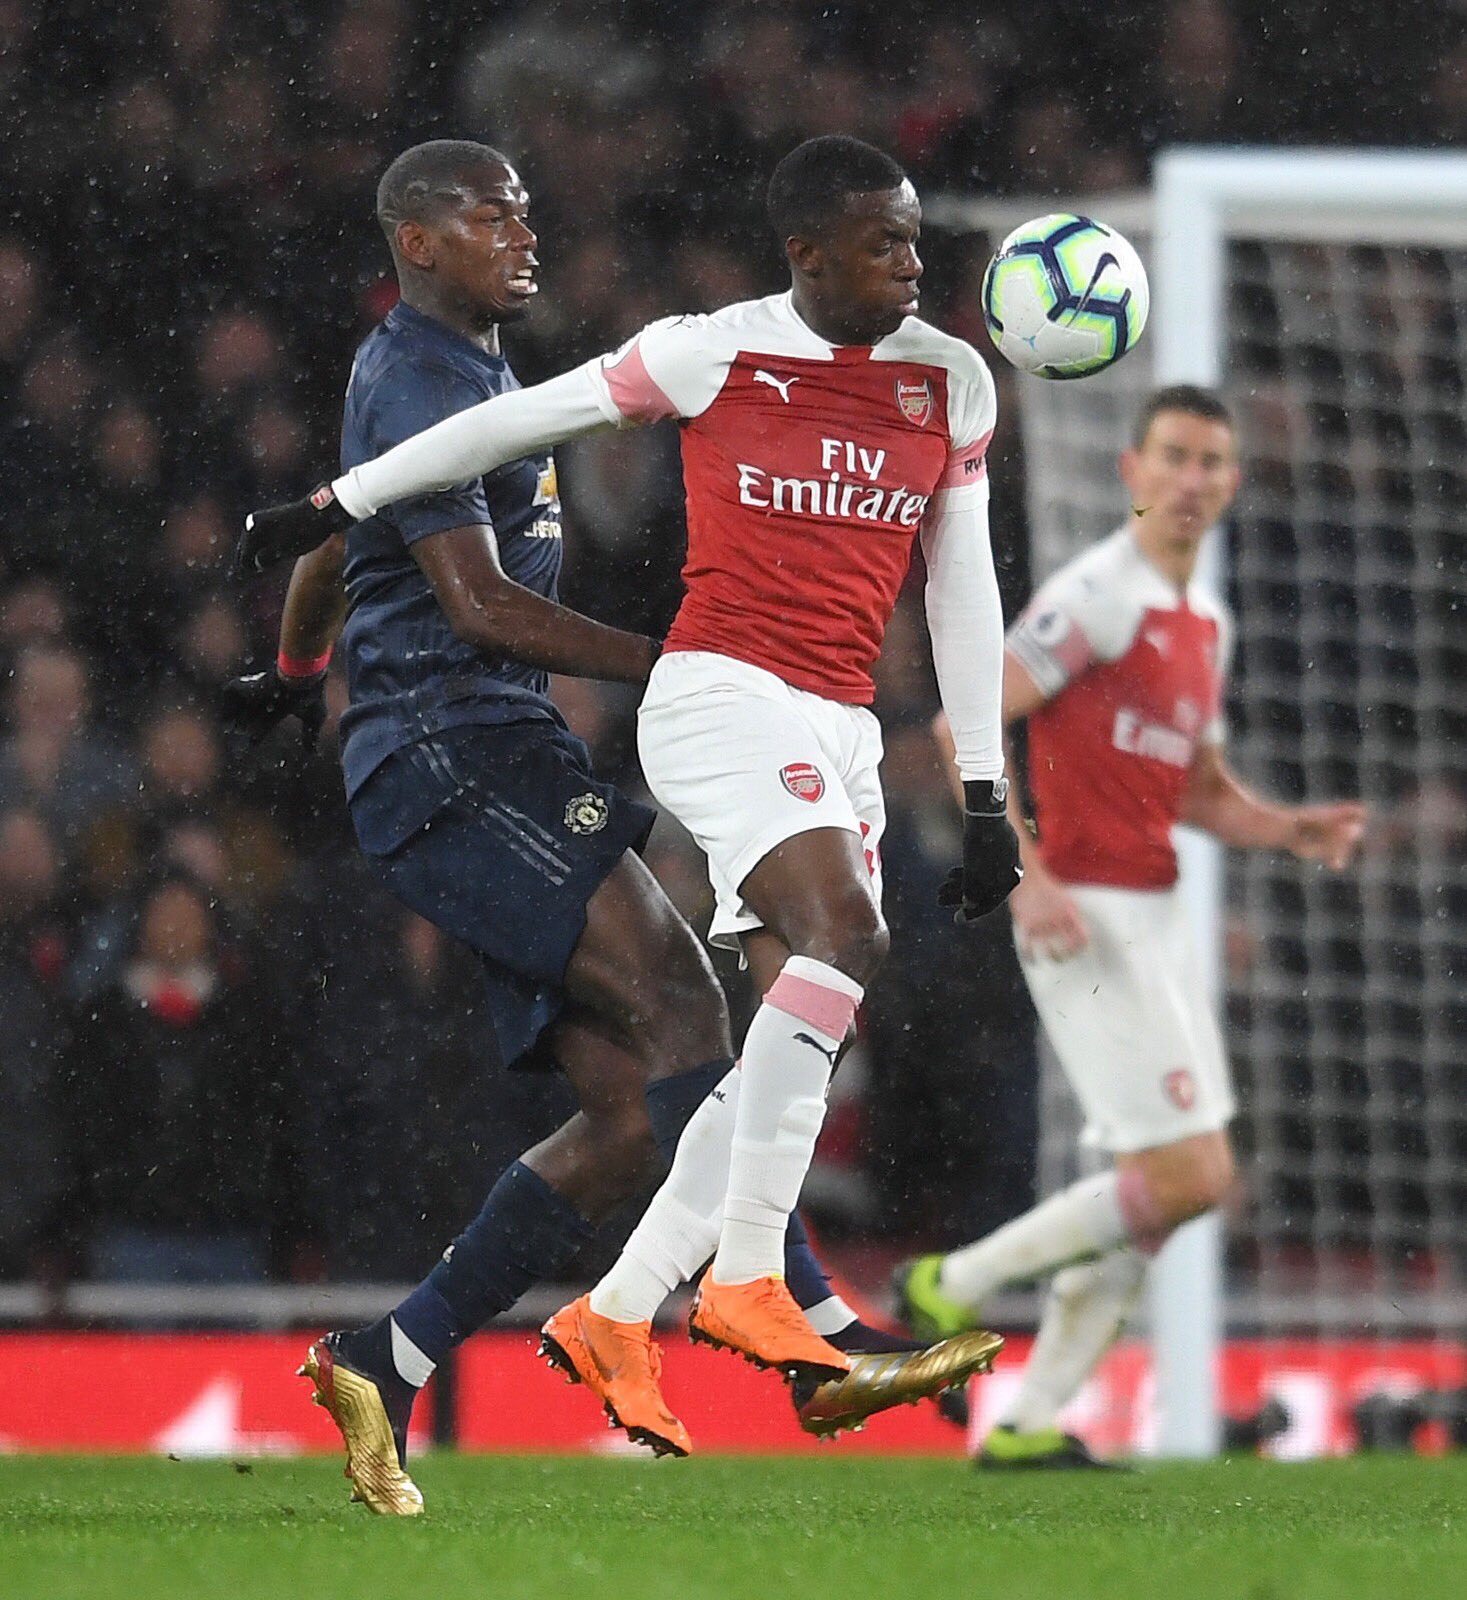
{"x":823,"y":431}
{"x":1118,"y":665}
{"x":477,"y":808}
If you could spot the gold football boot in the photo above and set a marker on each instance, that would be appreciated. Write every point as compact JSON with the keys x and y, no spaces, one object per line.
{"x":898,"y":1377}
{"x":376,"y":1452}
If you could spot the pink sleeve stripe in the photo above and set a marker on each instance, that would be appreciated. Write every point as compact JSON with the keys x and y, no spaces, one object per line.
{"x":1074,"y":652}
{"x":633,"y":390}
{"x":967,"y":464}
{"x":826,"y":1010}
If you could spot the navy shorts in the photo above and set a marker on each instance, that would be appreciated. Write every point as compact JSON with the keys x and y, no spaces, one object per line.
{"x":500,"y":835}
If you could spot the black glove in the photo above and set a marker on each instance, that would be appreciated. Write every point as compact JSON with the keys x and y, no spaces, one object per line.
{"x":283,"y":532}
{"x":990,"y":871}
{"x":254,"y":704}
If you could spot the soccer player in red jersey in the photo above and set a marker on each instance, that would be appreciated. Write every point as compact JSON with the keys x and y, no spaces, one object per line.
{"x":1118,"y":664}
{"x":823,"y":431}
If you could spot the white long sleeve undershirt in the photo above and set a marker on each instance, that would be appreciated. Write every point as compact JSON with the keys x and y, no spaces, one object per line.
{"x":523,"y":422}
{"x":965,"y":619}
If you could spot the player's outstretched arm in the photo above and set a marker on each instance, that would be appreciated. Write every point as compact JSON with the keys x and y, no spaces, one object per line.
{"x":315,"y":609}
{"x":1220,"y":803}
{"x":489,"y":610}
{"x":523,"y":422}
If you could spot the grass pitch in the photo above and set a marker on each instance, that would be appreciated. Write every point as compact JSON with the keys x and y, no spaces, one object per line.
{"x":552,"y":1528}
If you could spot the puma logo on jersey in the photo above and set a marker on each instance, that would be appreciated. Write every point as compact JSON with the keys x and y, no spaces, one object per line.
{"x":782,"y":384}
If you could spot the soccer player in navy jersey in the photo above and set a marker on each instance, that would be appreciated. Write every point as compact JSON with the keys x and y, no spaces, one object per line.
{"x":478,"y":809}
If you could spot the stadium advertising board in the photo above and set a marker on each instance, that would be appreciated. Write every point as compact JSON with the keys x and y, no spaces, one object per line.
{"x":232,"y":1394}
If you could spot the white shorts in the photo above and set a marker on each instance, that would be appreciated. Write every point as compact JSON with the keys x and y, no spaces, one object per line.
{"x":1132,"y":1024}
{"x":745,"y":762}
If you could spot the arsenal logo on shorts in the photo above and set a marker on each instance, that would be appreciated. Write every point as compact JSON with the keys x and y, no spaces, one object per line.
{"x":803,"y":781}
{"x":1181,"y":1088}
{"x":915,"y":400}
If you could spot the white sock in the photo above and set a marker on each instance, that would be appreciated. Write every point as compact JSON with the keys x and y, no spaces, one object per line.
{"x":829,"y":1316}
{"x":1085,"y":1310}
{"x":679,"y":1229}
{"x":412,"y":1365}
{"x":789,"y":1054}
{"x":1076,"y":1224}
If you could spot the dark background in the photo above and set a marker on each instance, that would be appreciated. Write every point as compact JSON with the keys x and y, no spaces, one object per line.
{"x":225,"y":1055}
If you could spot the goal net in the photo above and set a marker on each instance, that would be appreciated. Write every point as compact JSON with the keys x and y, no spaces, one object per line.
{"x":1328,"y":300}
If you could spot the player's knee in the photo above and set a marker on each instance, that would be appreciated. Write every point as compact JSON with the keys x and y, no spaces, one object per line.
{"x":1215,"y":1180}
{"x":686,"y":1018}
{"x":670,"y":1005}
{"x":1205,"y":1182}
{"x":846,"y":932}
{"x":1164,"y":1189}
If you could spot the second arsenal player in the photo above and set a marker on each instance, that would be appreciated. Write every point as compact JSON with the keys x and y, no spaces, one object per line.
{"x":1118,"y":665}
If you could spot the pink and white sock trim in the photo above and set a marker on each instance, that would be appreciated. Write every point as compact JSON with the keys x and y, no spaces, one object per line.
{"x":817,"y":994}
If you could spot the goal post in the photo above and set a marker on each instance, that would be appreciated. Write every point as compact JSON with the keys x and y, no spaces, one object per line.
{"x":1201,"y":196}
{"x":1325,"y":293}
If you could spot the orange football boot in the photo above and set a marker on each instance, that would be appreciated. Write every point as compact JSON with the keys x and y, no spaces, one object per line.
{"x":761,"y":1322}
{"x":620,"y":1365}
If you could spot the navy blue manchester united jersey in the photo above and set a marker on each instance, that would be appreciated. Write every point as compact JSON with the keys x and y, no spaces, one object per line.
{"x":409,"y":674}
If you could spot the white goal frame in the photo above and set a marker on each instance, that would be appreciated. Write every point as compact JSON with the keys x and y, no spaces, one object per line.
{"x":1201,"y":193}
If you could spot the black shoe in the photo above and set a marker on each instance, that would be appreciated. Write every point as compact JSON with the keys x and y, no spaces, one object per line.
{"x":1006,"y":1449}
{"x":952,"y":1406}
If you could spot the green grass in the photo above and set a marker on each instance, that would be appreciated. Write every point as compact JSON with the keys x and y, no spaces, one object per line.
{"x":558,"y":1528}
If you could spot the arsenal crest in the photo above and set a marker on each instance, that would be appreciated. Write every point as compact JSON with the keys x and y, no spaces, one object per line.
{"x":1181,"y":1088}
{"x":803,"y":781}
{"x":915,"y":400}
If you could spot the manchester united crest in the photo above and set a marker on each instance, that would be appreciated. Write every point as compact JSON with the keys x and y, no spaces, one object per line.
{"x":915,"y":401}
{"x":587,"y":813}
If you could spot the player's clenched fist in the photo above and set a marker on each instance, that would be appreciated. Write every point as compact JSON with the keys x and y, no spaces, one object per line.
{"x":990,"y":871}
{"x":279,"y":533}
{"x":254,"y":704}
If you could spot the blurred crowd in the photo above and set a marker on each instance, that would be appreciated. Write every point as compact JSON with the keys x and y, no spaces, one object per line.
{"x":224,"y":1047}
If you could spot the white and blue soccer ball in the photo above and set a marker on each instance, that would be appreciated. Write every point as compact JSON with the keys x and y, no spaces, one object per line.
{"x":1065,"y":297}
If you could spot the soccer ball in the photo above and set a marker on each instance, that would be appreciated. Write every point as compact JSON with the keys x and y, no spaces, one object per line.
{"x":1065,"y":297}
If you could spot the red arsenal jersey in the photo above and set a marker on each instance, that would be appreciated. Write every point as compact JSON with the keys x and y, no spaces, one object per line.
{"x":1134,"y":672}
{"x":808,"y":468}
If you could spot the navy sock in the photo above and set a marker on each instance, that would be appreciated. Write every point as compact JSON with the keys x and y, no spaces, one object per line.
{"x":525,"y":1232}
{"x":803,"y":1274}
{"x":809,"y":1285}
{"x":860,"y":1338}
{"x":672,"y":1101}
